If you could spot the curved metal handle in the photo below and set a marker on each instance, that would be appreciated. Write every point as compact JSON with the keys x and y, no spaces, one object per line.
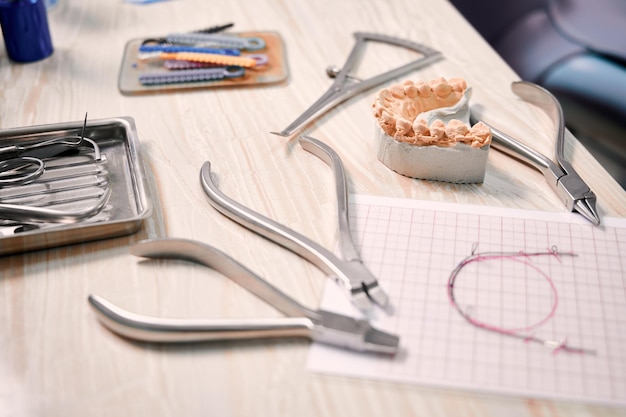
{"x":330,"y":157}
{"x":268,"y":228}
{"x":543,"y":99}
{"x":9,"y":168}
{"x":154,"y":329}
{"x":517,"y":149}
{"x":214,"y":258}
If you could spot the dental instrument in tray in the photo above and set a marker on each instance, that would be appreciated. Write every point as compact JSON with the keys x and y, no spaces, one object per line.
{"x":16,"y":215}
{"x":350,"y":271}
{"x":564,"y":180}
{"x":319,"y":325}
{"x":83,"y":194}
{"x":21,"y":164}
{"x":345,"y":85}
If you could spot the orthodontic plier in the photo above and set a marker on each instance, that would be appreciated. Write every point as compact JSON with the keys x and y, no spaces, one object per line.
{"x":564,"y":180}
{"x":322,"y":326}
{"x":349,"y":271}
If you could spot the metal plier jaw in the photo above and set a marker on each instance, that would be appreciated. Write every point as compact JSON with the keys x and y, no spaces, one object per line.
{"x":576,"y":194}
{"x":319,"y":325}
{"x":350,"y":271}
{"x":561,"y":176}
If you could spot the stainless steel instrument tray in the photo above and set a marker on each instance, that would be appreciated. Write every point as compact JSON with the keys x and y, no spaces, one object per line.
{"x":121,"y":171}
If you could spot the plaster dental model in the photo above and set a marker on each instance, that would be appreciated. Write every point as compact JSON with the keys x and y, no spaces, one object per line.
{"x":424,"y":131}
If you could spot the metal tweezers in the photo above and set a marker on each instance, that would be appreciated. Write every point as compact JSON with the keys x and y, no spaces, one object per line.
{"x":350,"y":271}
{"x":322,"y":326}
{"x":342,"y":88}
{"x":563,"y":179}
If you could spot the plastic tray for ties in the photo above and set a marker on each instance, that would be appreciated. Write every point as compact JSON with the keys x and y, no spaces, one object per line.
{"x":120,"y":170}
{"x":275,"y":71}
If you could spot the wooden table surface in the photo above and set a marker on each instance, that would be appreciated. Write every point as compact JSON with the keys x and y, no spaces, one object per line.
{"x":57,"y":360}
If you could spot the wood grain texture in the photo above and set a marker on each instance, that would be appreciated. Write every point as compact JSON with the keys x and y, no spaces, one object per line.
{"x":57,"y":360}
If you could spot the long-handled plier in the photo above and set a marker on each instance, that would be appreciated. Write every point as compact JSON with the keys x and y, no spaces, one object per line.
{"x":350,"y":271}
{"x":562,"y":177}
{"x":319,"y":325}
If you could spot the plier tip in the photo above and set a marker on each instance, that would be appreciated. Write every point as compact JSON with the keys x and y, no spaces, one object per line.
{"x":587,"y":208}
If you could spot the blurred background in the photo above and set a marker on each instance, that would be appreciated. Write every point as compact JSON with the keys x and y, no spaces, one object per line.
{"x":577,"y":50}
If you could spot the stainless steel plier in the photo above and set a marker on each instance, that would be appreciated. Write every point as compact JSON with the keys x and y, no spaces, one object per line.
{"x":564,"y":180}
{"x":322,"y":326}
{"x":350,"y":271}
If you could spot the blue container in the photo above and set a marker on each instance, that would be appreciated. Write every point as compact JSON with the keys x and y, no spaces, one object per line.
{"x":25,"y":29}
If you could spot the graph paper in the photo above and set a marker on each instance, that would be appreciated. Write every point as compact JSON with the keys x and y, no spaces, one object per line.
{"x":413,"y":246}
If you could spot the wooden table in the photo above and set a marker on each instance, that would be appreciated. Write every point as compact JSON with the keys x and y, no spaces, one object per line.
{"x":57,"y":360}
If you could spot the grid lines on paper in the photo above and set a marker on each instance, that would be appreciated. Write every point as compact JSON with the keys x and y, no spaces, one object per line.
{"x":413,"y":252}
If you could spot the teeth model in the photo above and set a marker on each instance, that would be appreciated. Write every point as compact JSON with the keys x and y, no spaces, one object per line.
{"x":423,"y":131}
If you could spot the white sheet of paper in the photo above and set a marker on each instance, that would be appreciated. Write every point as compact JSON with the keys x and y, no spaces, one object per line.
{"x":413,"y":246}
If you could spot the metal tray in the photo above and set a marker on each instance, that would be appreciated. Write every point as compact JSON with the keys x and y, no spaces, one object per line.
{"x":84,"y":180}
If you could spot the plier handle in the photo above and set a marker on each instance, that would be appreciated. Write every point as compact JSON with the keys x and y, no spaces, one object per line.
{"x":350,"y":271}
{"x":319,"y":325}
{"x":561,"y":176}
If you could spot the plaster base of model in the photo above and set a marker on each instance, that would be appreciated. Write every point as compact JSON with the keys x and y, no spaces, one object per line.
{"x":460,"y":163}
{"x":423,"y":131}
